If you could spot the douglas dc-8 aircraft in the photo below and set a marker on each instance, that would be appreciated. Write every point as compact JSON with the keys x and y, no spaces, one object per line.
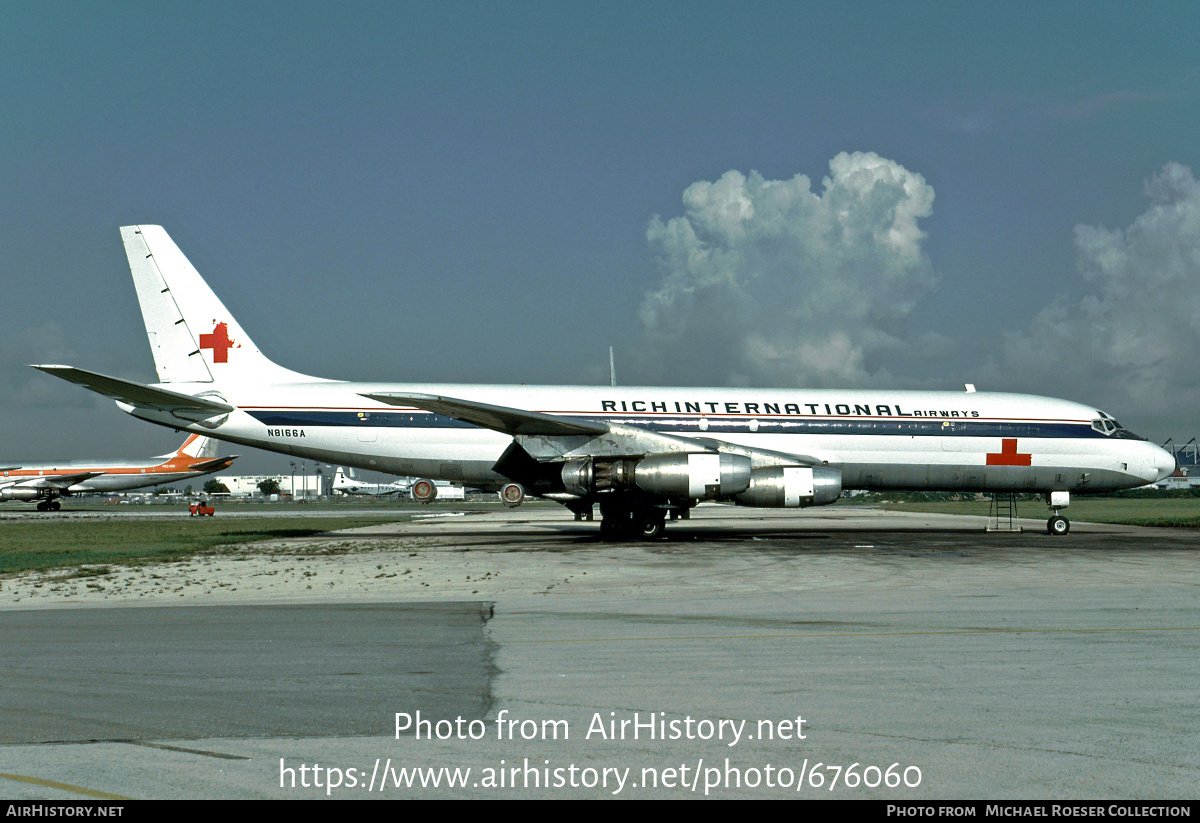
{"x":47,"y":483}
{"x":642,"y":453}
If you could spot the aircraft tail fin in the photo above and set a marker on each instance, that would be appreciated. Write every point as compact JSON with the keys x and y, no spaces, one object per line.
{"x":193,"y":337}
{"x":199,"y":447}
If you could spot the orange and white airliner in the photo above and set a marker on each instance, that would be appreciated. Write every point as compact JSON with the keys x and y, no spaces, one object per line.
{"x":641,"y":453}
{"x":46,"y":483}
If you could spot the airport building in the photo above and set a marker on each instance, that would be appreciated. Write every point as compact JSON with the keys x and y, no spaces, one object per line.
{"x":1187,"y":466}
{"x":299,"y":486}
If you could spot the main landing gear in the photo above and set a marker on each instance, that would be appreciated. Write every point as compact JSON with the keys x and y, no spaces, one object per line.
{"x":48,"y":505}
{"x":622,"y":520}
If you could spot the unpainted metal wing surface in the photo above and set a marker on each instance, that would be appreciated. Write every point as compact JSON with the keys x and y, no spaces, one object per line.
{"x":135,"y":394}
{"x":498,"y":418}
{"x":55,"y":481}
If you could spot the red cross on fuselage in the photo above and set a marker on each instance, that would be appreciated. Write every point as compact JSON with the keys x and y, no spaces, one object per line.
{"x":1008,"y":454}
{"x":219,"y":342}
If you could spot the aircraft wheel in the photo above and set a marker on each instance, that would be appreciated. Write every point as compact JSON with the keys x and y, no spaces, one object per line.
{"x":54,"y":505}
{"x":615,"y":520}
{"x":653,"y":527}
{"x":41,"y":506}
{"x":1058,"y":525}
{"x":610,"y":528}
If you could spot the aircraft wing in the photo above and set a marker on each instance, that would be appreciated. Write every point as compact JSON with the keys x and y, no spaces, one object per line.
{"x":767,"y":457}
{"x":547,"y":437}
{"x":497,"y":418}
{"x":136,"y":394}
{"x":54,"y":481}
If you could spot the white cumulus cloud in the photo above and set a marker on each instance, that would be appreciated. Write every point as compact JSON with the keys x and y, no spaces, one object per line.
{"x":1133,"y":342}
{"x":767,"y":282}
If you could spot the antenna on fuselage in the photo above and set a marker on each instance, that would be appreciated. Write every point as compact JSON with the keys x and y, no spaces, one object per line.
{"x":612,"y":368}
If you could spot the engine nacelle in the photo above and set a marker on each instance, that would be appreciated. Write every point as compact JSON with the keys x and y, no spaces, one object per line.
{"x":695,"y":476}
{"x":424,"y":491}
{"x":578,"y":476}
{"x":778,"y":487}
{"x":512,"y":495}
{"x":21,"y":494}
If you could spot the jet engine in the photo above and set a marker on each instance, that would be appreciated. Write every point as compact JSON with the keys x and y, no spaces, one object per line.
{"x":698,"y":476}
{"x":512,"y":495}
{"x":680,"y":476}
{"x":21,"y":494}
{"x":424,"y":491}
{"x":791,"y":487}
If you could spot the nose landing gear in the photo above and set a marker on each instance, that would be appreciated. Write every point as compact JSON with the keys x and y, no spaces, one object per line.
{"x":1057,"y":524}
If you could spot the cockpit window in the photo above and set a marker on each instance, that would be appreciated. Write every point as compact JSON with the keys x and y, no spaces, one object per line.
{"x":1109,"y":427}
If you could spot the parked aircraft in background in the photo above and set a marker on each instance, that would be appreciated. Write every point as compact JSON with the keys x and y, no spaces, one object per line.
{"x":421,"y":490}
{"x":46,"y":483}
{"x":641,"y":453}
{"x":345,"y":482}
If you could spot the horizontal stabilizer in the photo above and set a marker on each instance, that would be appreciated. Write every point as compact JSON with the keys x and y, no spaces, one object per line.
{"x":497,"y":418}
{"x":209,"y":465}
{"x":135,"y":394}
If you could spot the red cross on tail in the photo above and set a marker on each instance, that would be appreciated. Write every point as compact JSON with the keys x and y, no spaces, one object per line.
{"x":219,"y":342}
{"x":1008,"y":454}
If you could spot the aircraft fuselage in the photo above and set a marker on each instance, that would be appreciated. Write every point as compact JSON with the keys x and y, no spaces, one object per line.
{"x":970,"y":441}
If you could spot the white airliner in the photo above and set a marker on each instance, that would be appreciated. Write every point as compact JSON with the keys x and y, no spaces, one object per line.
{"x":422,"y":490}
{"x":641,"y":453}
{"x":345,"y":482}
{"x":48,"y":482}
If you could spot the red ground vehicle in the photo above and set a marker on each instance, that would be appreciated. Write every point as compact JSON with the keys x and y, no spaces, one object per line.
{"x":201,"y":509}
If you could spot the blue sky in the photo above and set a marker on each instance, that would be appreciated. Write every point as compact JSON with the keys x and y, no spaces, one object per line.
{"x":497,"y":192}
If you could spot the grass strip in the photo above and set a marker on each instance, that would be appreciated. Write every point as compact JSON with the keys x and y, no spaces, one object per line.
{"x":48,"y":544}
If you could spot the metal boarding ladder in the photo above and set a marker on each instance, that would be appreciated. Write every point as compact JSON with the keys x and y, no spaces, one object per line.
{"x":1002,"y":513}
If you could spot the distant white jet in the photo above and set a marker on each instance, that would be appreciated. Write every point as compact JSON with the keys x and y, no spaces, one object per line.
{"x":345,"y":482}
{"x":641,"y":453}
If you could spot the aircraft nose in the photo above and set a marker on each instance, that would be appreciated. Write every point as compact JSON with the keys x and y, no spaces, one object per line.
{"x":1162,"y":464}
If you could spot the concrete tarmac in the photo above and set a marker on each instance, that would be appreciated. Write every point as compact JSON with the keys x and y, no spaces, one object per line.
{"x":843,"y":653}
